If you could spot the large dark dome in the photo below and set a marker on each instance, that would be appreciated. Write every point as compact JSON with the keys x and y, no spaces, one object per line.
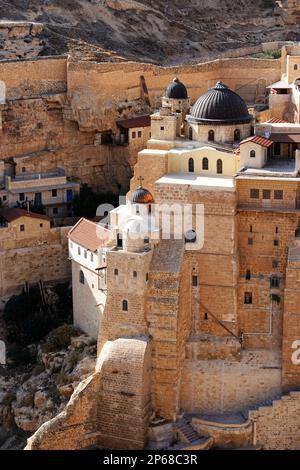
{"x":176,"y":90}
{"x":219,"y":105}
{"x":141,"y":196}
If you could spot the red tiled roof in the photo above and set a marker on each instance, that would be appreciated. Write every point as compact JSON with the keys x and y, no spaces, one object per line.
{"x":137,"y":121}
{"x":276,"y":121}
{"x":13,"y":214}
{"x":257,"y":139}
{"x":89,"y":234}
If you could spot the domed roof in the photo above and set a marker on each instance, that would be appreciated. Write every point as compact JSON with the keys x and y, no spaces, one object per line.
{"x":141,"y":196}
{"x":219,"y":104}
{"x":176,"y":90}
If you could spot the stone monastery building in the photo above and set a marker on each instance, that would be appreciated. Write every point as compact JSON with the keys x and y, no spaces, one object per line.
{"x":207,"y":324}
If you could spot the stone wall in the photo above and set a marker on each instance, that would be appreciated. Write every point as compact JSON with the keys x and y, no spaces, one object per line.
{"x":277,"y":427}
{"x":32,"y":258}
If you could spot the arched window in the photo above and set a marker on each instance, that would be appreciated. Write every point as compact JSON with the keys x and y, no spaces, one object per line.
{"x":191,"y":165}
{"x":295,"y":66}
{"x":125,"y":306}
{"x":191,"y":133}
{"x":219,"y":166}
{"x":211,"y":135}
{"x":252,"y":153}
{"x":237,"y":135}
{"x":205,"y":163}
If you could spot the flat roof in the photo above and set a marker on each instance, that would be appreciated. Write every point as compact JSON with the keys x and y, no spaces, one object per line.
{"x":37,"y":189}
{"x":281,"y":84}
{"x":198,"y":181}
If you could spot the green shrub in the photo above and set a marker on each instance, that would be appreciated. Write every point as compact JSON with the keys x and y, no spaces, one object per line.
{"x":59,"y":338}
{"x":275,"y":54}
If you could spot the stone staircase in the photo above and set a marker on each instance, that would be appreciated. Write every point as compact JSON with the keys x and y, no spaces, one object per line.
{"x":188,"y":437}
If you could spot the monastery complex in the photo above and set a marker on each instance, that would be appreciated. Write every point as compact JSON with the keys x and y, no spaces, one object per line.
{"x":198,"y":317}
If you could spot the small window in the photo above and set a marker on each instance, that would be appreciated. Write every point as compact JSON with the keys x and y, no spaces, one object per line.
{"x":274,"y":263}
{"x":21,"y":197}
{"x":219,"y":166}
{"x":133,"y":135}
{"x":191,"y":165}
{"x":54,"y":192}
{"x":23,"y":169}
{"x":41,"y":225}
{"x":205,"y":163}
{"x":237,"y":135}
{"x":162,"y":128}
{"x":278,"y":194}
{"x":266,"y":194}
{"x":248,"y":275}
{"x":79,"y":250}
{"x":22,"y":228}
{"x":125,"y":306}
{"x":252,"y":154}
{"x":254,"y":193}
{"x":146,"y":240}
{"x":250,"y":241}
{"x":134,"y":274}
{"x":276,"y":242}
{"x":194,"y":281}
{"x":274,"y":282}
{"x":147,"y":277}
{"x":205,"y":316}
{"x":276,"y":229}
{"x":139,"y":134}
{"x":81,"y":277}
{"x":190,"y":133}
{"x":55,"y":211}
{"x":92,"y":257}
{"x":295,"y":66}
{"x":250,"y":228}
{"x":85,"y":254}
{"x":116,"y":272}
{"x":211,"y":136}
{"x":4,"y":198}
{"x":248,"y":298}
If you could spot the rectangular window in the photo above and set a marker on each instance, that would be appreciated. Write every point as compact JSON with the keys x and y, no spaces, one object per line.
{"x":21,"y":197}
{"x":41,"y":225}
{"x":4,"y":198}
{"x":254,"y":193}
{"x":22,"y":228}
{"x":274,"y":282}
{"x":55,"y":211}
{"x":250,"y":241}
{"x":194,"y":281}
{"x":81,"y":277}
{"x":275,"y":242}
{"x":266,"y":194}
{"x":248,"y":298}
{"x":278,"y":194}
{"x":139,"y":134}
{"x":162,"y":128}
{"x":79,"y":250}
{"x":85,"y":254}
{"x":133,"y":135}
{"x":54,"y":192}
{"x":116,"y":272}
{"x":92,"y":257}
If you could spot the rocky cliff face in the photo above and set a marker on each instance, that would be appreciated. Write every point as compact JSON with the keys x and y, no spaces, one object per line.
{"x":168,"y":32}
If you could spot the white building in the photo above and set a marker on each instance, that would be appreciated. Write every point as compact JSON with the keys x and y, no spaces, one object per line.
{"x":87,"y":250}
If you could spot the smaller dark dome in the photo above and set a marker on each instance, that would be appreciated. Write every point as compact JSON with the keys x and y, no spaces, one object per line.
{"x":176,"y":90}
{"x":141,"y":196}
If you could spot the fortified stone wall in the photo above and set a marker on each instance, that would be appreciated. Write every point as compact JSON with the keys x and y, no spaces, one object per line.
{"x":34,"y":258}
